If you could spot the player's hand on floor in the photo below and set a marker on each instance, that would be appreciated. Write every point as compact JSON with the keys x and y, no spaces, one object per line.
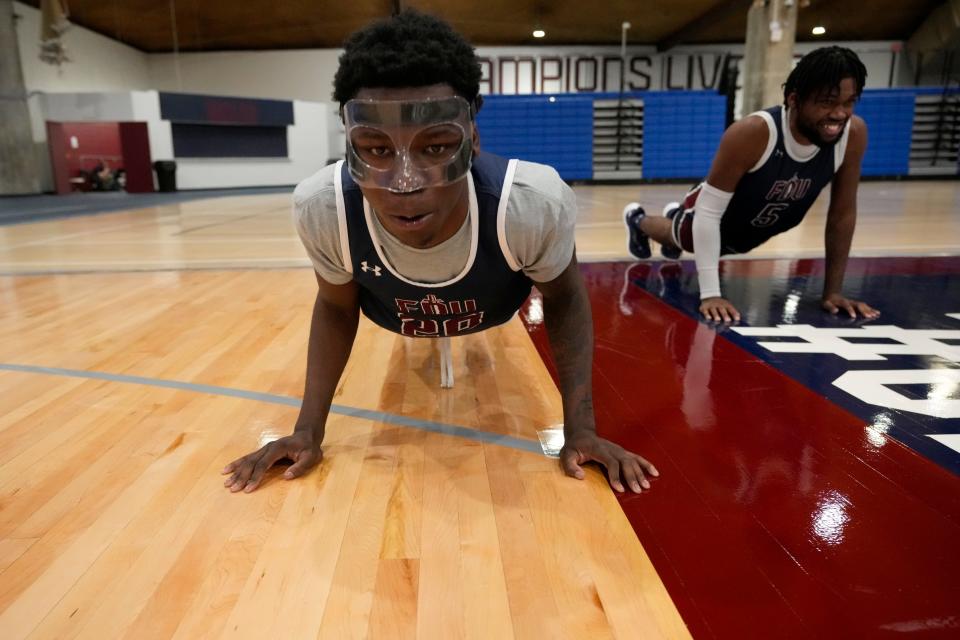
{"x":719,"y":310}
{"x":246,"y":473}
{"x":623,"y":467}
{"x":835,"y":302}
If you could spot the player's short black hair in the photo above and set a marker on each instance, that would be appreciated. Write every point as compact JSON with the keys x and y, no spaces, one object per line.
{"x":410,"y":49}
{"x":824,"y":69}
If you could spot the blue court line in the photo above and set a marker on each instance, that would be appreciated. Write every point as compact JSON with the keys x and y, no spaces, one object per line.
{"x":354,"y":412}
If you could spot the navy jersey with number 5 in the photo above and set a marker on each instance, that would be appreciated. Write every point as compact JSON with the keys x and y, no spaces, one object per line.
{"x":486,"y":293}
{"x":775,"y":195}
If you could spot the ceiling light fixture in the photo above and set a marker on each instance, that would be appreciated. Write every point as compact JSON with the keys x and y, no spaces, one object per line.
{"x":818,"y":31}
{"x":539,"y":33}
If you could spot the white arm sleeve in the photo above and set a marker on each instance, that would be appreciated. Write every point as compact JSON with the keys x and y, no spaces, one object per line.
{"x":711,"y":203}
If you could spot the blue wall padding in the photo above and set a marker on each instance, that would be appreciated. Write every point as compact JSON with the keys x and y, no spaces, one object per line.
{"x":681,"y":131}
{"x":557,"y":133}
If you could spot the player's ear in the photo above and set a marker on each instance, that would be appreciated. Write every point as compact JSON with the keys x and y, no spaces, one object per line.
{"x":792,"y":100}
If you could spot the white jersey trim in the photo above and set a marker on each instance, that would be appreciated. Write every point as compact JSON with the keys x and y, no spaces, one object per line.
{"x":771,"y":139}
{"x":797,"y":151}
{"x":472,"y":213}
{"x":342,"y":218}
{"x":840,"y":149}
{"x":502,"y":216}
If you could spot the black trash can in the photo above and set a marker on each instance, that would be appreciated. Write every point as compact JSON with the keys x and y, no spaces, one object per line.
{"x":166,"y":175}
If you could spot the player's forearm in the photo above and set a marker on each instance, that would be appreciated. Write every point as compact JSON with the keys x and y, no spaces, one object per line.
{"x":332,"y":332}
{"x":570,"y":333}
{"x":706,"y":243}
{"x":837,"y":240}
{"x":708,"y":212}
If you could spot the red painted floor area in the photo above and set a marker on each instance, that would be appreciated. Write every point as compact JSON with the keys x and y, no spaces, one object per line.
{"x":774,"y":516}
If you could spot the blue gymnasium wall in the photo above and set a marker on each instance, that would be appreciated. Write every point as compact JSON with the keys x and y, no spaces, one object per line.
{"x":558,"y":132}
{"x":889,"y":117}
{"x":681,"y":130}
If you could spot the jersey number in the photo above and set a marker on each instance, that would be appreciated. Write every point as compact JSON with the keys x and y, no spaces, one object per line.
{"x":427,"y":328}
{"x":769,"y":215}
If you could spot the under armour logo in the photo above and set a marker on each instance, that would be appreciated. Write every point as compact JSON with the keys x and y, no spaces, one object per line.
{"x":778,"y":153}
{"x":375,"y":268}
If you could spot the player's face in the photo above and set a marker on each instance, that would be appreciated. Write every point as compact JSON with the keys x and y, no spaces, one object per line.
{"x":422,"y":217}
{"x":822,"y":117}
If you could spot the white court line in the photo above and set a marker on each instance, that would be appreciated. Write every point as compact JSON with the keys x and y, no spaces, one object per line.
{"x":194,"y":240}
{"x":216,"y":214}
{"x":951,"y":440}
{"x":78,"y":234}
{"x":108,"y":229}
{"x":128,"y":263}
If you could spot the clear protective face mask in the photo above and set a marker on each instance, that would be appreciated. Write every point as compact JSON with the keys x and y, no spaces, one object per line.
{"x":408,"y":145}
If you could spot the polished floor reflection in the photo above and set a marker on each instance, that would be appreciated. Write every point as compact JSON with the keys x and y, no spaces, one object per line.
{"x":789,"y":506}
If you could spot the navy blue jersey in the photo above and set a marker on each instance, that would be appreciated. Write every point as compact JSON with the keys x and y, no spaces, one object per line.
{"x":487,"y":293}
{"x":776,"y":196}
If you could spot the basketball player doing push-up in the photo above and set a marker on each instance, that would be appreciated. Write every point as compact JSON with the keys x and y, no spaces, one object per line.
{"x":429,"y":237}
{"x":767,"y":172}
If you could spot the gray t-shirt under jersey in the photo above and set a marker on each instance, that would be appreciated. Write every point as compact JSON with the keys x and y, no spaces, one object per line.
{"x":539,"y":222}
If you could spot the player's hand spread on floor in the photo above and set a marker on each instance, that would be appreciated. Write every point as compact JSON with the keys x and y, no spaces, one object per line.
{"x":719,"y":310}
{"x":247,"y":472}
{"x":622,"y":466}
{"x":854,"y":308}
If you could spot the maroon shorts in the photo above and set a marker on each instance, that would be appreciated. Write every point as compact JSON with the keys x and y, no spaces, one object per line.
{"x":682,"y":223}
{"x":682,"y":219}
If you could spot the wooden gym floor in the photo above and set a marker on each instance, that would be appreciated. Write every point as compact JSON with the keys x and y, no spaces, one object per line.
{"x":141,"y":350}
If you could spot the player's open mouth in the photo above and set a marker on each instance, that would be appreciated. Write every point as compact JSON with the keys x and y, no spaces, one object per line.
{"x":412,"y":222}
{"x":832,"y":129}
